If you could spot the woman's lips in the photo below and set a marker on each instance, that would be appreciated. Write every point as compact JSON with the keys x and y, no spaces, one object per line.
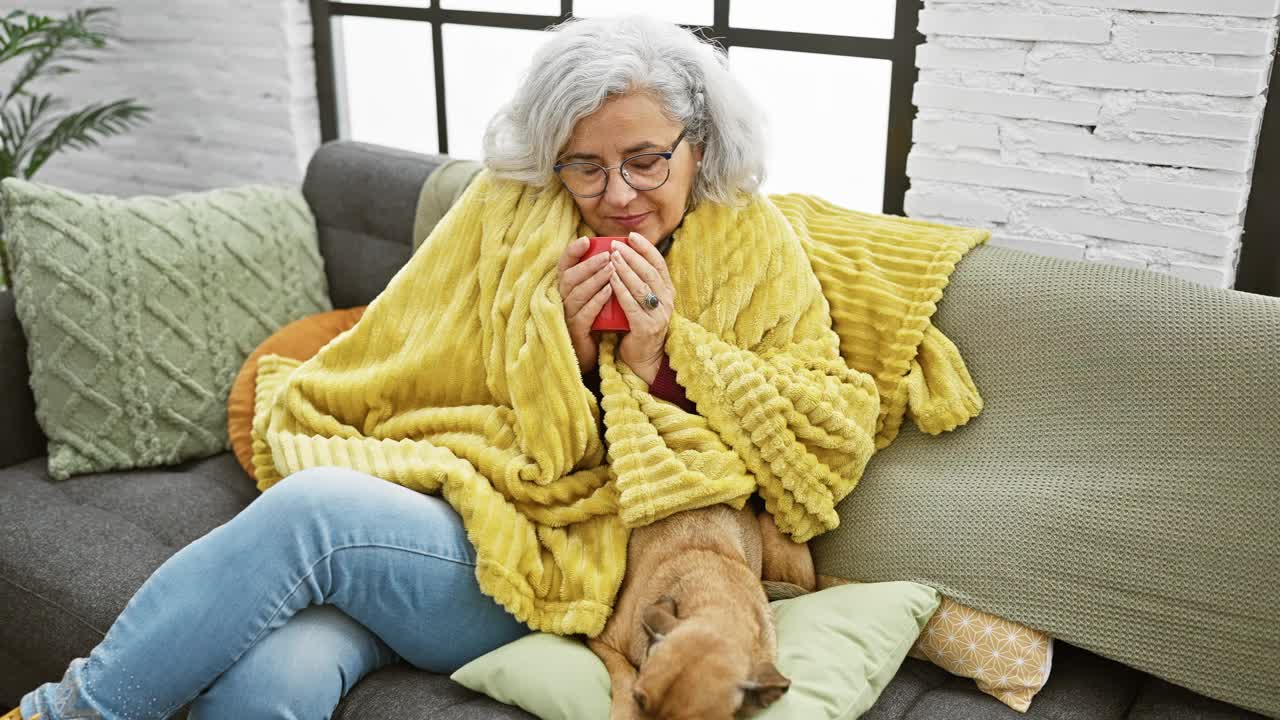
{"x":632,"y":221}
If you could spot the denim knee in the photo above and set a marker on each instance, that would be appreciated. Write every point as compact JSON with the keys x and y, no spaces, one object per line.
{"x":319,"y":480}
{"x":316,"y":489}
{"x":299,"y":670}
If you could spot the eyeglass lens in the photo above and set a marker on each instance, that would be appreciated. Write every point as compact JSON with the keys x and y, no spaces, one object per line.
{"x":642,"y":172}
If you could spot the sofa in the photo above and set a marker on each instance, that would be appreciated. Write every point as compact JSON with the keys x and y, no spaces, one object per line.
{"x":73,"y":552}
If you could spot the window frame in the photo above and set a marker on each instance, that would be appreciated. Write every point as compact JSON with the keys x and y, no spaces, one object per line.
{"x":900,"y":51}
{"x":1258,"y":270}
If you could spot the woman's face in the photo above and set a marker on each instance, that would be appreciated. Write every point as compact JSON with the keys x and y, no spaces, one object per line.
{"x":628,"y":125}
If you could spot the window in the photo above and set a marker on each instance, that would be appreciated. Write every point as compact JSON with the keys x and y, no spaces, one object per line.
{"x":827,"y":137}
{"x":379,"y":106}
{"x":424,"y":75}
{"x":470,"y":104}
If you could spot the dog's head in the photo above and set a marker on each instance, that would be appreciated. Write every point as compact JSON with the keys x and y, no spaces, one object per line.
{"x":691,"y":671}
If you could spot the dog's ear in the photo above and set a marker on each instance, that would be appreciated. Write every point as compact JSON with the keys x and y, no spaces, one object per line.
{"x":764,"y":688}
{"x":659,"y":619}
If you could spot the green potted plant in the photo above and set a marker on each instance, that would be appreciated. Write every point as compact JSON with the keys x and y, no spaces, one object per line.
{"x":33,"y":125}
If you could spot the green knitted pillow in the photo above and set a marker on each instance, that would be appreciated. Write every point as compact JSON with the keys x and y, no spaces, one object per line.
{"x":138,"y":312}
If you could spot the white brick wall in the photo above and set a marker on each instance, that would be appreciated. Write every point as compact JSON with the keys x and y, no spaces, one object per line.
{"x":231,"y":85}
{"x":1116,"y":131}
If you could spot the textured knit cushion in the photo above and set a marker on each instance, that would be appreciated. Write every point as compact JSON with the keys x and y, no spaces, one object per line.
{"x":839,"y":647}
{"x":299,"y":340}
{"x":1119,"y":492}
{"x":140,"y":311}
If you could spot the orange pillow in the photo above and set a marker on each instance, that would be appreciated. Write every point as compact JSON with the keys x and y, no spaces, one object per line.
{"x":300,"y":340}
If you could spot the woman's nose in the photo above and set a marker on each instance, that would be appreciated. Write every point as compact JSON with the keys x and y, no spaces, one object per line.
{"x":618,"y":193}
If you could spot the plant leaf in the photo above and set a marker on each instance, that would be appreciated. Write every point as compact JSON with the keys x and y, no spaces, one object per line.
{"x":18,"y":37}
{"x":20,"y":131}
{"x":85,"y":128}
{"x":79,"y":30}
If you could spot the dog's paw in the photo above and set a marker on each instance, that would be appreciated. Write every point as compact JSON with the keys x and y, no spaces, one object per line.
{"x":778,"y":590}
{"x":828,"y":581}
{"x":782,"y":558}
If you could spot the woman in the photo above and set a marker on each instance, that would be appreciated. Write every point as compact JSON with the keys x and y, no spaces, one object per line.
{"x":628,"y":107}
{"x":274,"y":614}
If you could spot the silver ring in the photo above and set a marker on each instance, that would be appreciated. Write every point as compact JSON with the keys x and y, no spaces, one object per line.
{"x":651,"y":301}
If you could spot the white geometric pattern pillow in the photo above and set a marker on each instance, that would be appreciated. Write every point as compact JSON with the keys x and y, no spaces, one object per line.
{"x":1010,"y":662}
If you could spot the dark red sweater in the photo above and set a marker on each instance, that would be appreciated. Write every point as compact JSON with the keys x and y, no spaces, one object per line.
{"x":664,"y":386}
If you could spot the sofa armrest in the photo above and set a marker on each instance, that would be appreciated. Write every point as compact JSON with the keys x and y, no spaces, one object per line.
{"x":20,"y":435}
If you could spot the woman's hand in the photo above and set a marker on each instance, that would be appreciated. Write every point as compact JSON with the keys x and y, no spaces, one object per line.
{"x":585,"y":289}
{"x":640,"y":269}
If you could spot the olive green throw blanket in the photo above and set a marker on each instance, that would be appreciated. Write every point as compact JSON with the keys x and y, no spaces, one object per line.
{"x":1121,"y":489}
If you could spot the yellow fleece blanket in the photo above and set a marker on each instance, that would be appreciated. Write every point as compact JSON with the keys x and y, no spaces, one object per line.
{"x":460,"y":379}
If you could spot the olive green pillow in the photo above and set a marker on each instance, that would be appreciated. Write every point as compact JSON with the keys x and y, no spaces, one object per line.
{"x":138,"y":312}
{"x":439,"y":193}
{"x":839,"y":647}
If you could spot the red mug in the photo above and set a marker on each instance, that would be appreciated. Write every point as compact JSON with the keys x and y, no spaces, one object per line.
{"x":612,"y":317}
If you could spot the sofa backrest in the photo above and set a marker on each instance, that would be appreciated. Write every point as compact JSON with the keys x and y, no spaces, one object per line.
{"x":20,"y":435}
{"x":364,"y":198}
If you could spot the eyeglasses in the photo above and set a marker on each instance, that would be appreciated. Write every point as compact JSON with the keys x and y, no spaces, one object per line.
{"x":647,"y":171}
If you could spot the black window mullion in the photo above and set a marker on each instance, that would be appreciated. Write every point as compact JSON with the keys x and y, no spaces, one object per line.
{"x":906,"y":36}
{"x":389,"y":12}
{"x":1258,"y":269}
{"x":874,"y":48}
{"x":720,"y":23}
{"x":503,"y":20}
{"x":437,"y":52}
{"x":326,"y":92}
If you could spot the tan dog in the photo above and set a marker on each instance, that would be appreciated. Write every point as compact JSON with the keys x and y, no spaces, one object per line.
{"x":693,"y":618}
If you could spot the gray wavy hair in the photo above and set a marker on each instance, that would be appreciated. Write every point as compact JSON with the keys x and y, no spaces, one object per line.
{"x":589,"y":60}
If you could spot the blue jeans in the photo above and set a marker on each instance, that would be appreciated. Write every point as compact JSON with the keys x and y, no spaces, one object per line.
{"x":277,"y":613}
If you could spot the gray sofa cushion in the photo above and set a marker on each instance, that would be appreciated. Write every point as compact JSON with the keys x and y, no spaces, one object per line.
{"x":72,"y":554}
{"x":402,"y":691}
{"x":1082,"y":685}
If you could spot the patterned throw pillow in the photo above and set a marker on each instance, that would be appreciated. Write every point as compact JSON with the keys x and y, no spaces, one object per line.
{"x":138,"y":312}
{"x":1008,"y":661}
